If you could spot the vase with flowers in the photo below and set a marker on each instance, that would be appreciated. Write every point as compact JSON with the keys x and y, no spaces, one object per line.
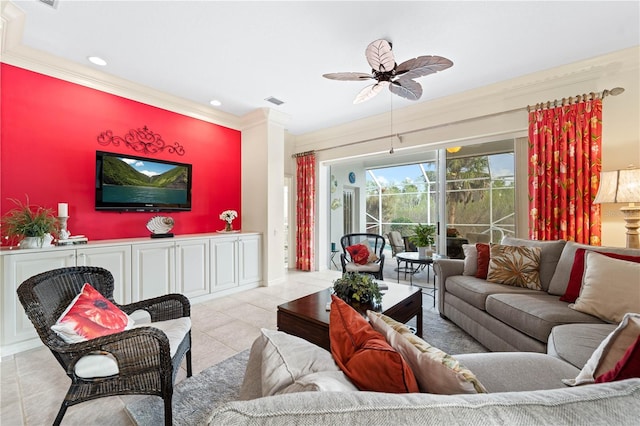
{"x":228,"y":216}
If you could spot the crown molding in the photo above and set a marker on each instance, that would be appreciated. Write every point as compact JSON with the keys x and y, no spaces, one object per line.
{"x":15,"y":53}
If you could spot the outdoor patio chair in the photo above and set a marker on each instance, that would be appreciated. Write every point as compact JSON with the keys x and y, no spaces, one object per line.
{"x":140,"y":360}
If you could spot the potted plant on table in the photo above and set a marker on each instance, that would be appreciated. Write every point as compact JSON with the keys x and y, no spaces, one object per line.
{"x":424,"y":238}
{"x":360,"y":288}
{"x":33,"y":224}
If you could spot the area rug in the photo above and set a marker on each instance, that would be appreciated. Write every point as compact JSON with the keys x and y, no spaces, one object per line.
{"x":195,"y":397}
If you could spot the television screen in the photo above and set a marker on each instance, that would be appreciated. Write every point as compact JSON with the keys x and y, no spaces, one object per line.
{"x":131,"y":183}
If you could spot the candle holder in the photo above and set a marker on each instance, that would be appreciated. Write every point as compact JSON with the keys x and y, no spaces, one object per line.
{"x":64,"y":233}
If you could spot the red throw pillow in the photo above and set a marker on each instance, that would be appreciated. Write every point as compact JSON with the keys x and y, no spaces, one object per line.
{"x":577,"y":272}
{"x":359,"y":253}
{"x":90,"y":315}
{"x":627,"y":368}
{"x":484,"y":251}
{"x":364,"y":355}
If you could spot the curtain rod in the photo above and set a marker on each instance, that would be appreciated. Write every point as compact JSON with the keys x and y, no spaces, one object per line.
{"x":613,"y":92}
{"x":302,"y":154}
{"x":578,"y":98}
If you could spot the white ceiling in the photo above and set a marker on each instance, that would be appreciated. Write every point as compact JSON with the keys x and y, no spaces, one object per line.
{"x":243,"y":52}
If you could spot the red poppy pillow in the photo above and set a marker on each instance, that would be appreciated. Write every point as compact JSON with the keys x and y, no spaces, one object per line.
{"x":90,"y":315}
{"x":359,"y":254}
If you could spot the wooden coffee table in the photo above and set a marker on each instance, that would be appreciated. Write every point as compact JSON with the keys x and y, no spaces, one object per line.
{"x":308,"y":318}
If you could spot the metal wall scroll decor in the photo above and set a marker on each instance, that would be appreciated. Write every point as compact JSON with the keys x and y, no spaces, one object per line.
{"x":141,"y":140}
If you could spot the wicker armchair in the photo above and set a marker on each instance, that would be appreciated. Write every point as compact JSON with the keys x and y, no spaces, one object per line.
{"x":143,"y":356}
{"x":376,"y":242}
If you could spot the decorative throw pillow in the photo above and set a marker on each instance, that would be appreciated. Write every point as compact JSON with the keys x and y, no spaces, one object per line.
{"x":577,"y":272}
{"x":359,"y":254}
{"x":435,"y":371}
{"x":364,"y":355}
{"x":610,"y":288}
{"x":90,"y":315}
{"x":483,"y":260}
{"x":470,"y":259}
{"x":515,"y":265}
{"x":372,"y":254}
{"x":618,"y":351}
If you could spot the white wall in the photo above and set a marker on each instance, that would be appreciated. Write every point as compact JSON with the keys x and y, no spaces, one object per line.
{"x":499,"y":111}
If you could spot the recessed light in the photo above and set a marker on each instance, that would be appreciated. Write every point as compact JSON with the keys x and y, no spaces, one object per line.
{"x":215,"y":102}
{"x":97,"y":60}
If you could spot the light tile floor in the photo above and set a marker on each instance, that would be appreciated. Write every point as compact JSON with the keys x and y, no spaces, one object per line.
{"x":33,"y":384}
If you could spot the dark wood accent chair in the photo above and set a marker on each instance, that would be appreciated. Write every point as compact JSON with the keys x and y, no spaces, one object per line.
{"x":376,"y":242}
{"x":145,"y":365}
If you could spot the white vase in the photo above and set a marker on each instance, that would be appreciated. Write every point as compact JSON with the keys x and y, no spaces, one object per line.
{"x":424,"y":252}
{"x":36,"y":242}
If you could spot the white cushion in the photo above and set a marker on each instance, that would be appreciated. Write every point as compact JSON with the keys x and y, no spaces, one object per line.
{"x":610,"y":287}
{"x":322,"y":381}
{"x":470,"y":259}
{"x":105,"y":365}
{"x":369,"y":267}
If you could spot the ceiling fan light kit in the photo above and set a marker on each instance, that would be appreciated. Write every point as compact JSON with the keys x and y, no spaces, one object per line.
{"x":400,"y":79}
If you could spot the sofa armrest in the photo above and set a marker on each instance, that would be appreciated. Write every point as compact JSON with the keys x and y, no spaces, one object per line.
{"x":445,"y":268}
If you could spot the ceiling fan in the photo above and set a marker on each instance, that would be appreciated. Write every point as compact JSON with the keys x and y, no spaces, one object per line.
{"x":399,"y":78}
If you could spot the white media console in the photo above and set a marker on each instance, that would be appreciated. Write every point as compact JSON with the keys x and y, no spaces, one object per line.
{"x":200,"y":266}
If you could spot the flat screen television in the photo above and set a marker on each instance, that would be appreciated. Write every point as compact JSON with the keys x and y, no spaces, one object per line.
{"x":132,"y":183}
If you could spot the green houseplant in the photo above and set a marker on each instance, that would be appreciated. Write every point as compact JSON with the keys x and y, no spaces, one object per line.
{"x":424,"y":235}
{"x":355,"y":287}
{"x":33,"y":224}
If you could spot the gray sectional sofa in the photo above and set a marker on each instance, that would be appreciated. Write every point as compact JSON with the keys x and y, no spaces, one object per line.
{"x":507,"y":318}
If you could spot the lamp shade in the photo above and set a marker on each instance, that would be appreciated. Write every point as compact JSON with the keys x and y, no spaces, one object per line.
{"x":620,"y":186}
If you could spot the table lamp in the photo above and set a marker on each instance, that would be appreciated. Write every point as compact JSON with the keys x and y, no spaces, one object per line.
{"x":623,"y":186}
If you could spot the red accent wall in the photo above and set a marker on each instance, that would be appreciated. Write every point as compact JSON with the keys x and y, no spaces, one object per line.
{"x":49,"y":129}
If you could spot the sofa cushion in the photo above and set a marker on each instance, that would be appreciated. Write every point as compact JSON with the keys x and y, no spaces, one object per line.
{"x":558,"y":285}
{"x":470,"y":259}
{"x":549,"y":256}
{"x":484,"y":255}
{"x":364,"y":354}
{"x":577,"y":272}
{"x":534,"y":371}
{"x":534,"y":314}
{"x":586,"y":404}
{"x":518,"y":266}
{"x":435,"y":370}
{"x":610,"y":288}
{"x":475,"y":290}
{"x":574,"y":343}
{"x":612,"y":349}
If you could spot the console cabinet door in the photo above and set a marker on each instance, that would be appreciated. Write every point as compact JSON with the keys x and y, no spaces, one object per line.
{"x":16,"y":327}
{"x":117,"y":260}
{"x":153,"y":270}
{"x":249,"y":250}
{"x":224,"y":263}
{"x":192,"y":267}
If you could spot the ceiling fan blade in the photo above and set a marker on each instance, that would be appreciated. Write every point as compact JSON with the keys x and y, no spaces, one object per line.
{"x":370,"y":91}
{"x":422,"y":65}
{"x":348,"y":76}
{"x":407,"y":89}
{"x":380,"y":56}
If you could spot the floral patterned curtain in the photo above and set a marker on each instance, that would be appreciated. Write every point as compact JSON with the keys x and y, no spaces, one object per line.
{"x":564,"y":172}
{"x":306,"y":184}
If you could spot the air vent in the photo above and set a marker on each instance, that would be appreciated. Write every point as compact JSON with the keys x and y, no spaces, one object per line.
{"x":52,"y":3}
{"x":274,"y":101}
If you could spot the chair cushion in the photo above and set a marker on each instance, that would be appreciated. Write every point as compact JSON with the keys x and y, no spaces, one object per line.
{"x":359,"y":253}
{"x":105,"y":365}
{"x":364,"y":355}
{"x":369,"y":267}
{"x":90,"y":315}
